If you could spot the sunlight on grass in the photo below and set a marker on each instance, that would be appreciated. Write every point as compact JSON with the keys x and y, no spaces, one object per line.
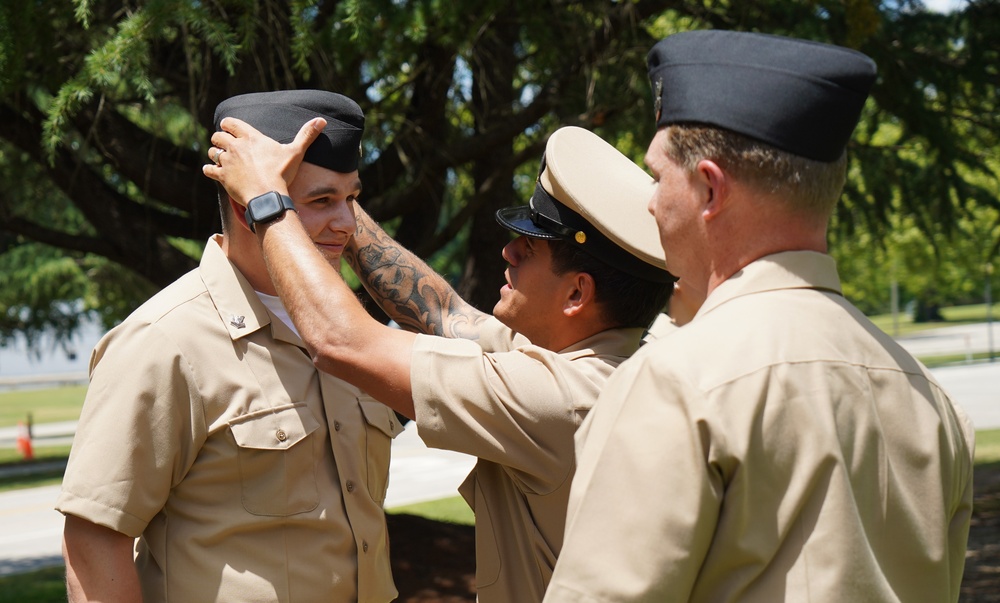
{"x":45,"y":405}
{"x":452,"y":510}
{"x":987,"y":446}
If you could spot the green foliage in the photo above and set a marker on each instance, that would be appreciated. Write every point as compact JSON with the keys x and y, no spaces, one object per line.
{"x":42,"y":586}
{"x":106,"y":109}
{"x":40,"y":289}
{"x":944,"y":265}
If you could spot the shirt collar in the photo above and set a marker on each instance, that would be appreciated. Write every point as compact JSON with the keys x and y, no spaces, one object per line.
{"x":612,"y":342}
{"x":785,"y":270}
{"x":236,"y":301}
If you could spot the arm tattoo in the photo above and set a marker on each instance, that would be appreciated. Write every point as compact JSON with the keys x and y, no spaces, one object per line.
{"x":407,"y":289}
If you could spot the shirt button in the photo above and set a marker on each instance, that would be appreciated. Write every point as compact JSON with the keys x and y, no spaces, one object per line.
{"x":364,"y":545}
{"x":350,"y":486}
{"x":336,"y":425}
{"x":281,"y":435}
{"x":392,"y":425}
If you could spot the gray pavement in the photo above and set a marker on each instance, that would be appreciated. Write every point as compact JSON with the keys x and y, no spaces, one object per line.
{"x":976,"y":388}
{"x":30,"y":530}
{"x":961,"y":339}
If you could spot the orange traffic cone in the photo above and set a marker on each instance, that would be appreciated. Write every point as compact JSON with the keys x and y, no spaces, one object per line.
{"x":24,"y":441}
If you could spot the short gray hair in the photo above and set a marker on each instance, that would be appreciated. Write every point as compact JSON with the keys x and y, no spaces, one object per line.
{"x":805,"y":184}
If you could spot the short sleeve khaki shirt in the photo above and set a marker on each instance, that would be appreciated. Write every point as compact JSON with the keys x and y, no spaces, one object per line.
{"x":777,"y":448}
{"x":245,"y":473}
{"x":517,"y":408}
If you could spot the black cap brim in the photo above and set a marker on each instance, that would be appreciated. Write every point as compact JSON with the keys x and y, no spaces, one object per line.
{"x":518,"y":219}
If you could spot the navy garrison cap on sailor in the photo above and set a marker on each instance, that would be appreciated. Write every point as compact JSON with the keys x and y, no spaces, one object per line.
{"x":280,"y":115}
{"x":801,"y":97}
{"x":592,"y":196}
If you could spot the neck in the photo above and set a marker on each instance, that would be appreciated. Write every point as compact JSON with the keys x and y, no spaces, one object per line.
{"x":241,"y":247}
{"x":764,"y":230}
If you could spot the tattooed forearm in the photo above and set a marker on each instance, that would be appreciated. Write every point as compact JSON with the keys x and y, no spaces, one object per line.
{"x":412,"y":294}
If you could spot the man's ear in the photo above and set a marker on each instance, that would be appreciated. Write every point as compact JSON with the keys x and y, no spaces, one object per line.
{"x":715,"y":184}
{"x":581,"y":294}
{"x":240,"y":212}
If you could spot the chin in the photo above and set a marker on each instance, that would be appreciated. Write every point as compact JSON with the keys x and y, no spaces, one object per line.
{"x":332,"y":258}
{"x":501,"y":313}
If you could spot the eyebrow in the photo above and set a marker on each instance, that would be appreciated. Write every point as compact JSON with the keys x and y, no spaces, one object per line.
{"x":332,"y":190}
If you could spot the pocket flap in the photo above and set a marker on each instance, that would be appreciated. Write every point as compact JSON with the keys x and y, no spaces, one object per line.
{"x":274,"y":429}
{"x":380,"y":416}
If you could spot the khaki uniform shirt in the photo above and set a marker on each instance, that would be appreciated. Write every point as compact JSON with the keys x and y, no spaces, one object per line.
{"x":662,"y":326}
{"x":777,"y":448}
{"x":515,"y":406}
{"x":205,"y":433}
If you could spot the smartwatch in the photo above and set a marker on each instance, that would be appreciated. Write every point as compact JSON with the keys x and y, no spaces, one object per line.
{"x":267,"y":207}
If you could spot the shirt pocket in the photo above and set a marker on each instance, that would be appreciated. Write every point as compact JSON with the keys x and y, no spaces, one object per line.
{"x":278,"y":460}
{"x":487,"y":549}
{"x":381,"y":426}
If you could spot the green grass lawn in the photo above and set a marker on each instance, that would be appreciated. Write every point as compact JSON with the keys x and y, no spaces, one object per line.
{"x":42,"y":586}
{"x":452,"y":510}
{"x":45,"y":405}
{"x":987,"y":446}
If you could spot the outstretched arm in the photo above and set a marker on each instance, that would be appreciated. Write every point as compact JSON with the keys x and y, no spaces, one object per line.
{"x":338,"y":332}
{"x":406,"y":288}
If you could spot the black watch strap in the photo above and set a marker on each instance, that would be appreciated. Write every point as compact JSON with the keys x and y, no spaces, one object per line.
{"x":267,"y":207}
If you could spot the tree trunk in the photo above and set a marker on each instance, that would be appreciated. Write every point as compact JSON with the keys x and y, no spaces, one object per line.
{"x":493,"y":64}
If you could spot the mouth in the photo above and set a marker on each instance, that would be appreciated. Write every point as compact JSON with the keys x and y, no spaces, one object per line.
{"x":509,"y":284}
{"x":337,"y":247}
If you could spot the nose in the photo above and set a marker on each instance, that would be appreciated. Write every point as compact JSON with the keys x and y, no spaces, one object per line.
{"x":651,"y":206}
{"x":512,"y":251}
{"x":342,"y":218}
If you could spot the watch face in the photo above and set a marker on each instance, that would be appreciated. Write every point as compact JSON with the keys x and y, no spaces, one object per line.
{"x":266,"y":206}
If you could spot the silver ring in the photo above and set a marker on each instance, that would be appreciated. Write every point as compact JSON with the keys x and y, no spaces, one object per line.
{"x":215,"y":157}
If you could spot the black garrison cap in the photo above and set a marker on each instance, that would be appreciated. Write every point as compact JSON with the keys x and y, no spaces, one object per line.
{"x":280,"y":115}
{"x":801,"y":97}
{"x":592,"y":196}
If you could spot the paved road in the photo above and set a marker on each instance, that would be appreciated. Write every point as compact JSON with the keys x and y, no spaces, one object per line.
{"x":962,"y":339}
{"x":976,"y":388}
{"x":31,"y":530}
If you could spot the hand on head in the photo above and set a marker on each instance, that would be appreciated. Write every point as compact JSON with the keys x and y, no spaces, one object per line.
{"x":248,"y":164}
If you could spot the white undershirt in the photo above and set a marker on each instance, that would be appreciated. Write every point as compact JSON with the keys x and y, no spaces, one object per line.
{"x":277,"y":308}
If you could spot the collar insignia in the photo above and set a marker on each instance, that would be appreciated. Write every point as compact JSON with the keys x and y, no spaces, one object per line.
{"x":237,"y":321}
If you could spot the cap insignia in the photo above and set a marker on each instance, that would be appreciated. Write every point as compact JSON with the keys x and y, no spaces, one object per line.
{"x":658,"y":101}
{"x":581,"y":237}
